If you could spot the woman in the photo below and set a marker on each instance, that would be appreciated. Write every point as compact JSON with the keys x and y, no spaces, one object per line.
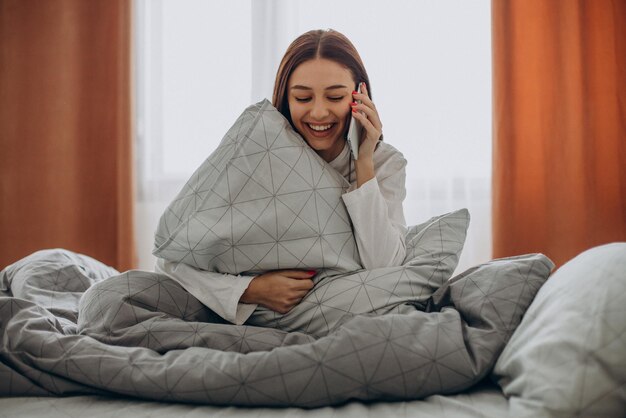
{"x":315,"y":90}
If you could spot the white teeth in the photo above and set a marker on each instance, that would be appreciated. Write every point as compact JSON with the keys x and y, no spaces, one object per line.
{"x":320,"y":127}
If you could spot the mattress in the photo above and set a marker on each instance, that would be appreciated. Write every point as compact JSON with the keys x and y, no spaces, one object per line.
{"x":484,"y":400}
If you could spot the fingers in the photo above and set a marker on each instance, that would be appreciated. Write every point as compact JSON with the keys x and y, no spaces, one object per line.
{"x":286,"y":303}
{"x":304,"y":285}
{"x":372,"y":131}
{"x":302,"y":280}
{"x":298,"y":274}
{"x":281,"y":290}
{"x":298,"y":288}
{"x":367,"y":106}
{"x":300,"y":283}
{"x":370,"y":114}
{"x":297,"y":296}
{"x":364,"y":96}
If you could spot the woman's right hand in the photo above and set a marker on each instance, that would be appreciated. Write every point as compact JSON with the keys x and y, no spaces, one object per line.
{"x":279,"y":290}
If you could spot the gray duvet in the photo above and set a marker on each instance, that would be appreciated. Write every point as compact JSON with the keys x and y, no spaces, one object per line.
{"x":71,"y":325}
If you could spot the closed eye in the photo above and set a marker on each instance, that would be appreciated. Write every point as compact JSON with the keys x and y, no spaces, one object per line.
{"x":336,"y":98}
{"x":303,"y":99}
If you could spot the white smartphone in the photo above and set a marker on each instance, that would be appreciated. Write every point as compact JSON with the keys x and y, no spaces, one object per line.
{"x":354,"y":133}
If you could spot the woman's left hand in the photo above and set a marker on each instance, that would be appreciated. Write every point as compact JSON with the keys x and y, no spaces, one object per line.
{"x":366,"y":113}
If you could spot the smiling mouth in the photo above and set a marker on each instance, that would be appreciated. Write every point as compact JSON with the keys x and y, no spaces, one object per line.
{"x":320,"y":128}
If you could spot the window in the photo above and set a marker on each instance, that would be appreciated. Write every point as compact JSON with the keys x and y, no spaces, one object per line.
{"x":200,"y":63}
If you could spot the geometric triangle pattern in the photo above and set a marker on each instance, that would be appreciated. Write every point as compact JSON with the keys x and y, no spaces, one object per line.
{"x":262,"y":200}
{"x":141,"y":334}
{"x":433,"y":250}
{"x":56,"y":283}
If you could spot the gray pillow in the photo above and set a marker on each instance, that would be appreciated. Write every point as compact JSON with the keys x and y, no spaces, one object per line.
{"x":263,"y":200}
{"x":439,"y":240}
{"x":433,"y":250}
{"x":568,"y":355}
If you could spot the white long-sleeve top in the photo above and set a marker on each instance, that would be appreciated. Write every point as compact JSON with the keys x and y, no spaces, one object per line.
{"x":377,"y":217}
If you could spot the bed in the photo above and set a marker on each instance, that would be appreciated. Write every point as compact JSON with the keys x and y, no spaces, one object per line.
{"x":507,"y":337}
{"x":482,"y":401}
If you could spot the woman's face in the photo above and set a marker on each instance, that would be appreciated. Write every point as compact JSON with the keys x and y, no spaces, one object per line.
{"x":320,"y":93}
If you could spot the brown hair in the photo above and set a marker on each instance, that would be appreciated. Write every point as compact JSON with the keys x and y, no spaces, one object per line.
{"x":328,"y":44}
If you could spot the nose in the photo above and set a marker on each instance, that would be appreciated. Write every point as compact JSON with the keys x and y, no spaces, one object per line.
{"x":319,"y":111}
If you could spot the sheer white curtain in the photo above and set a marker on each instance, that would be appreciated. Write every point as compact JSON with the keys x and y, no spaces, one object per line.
{"x":199,"y":64}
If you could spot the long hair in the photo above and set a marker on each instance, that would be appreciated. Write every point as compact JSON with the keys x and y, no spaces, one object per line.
{"x":328,"y":44}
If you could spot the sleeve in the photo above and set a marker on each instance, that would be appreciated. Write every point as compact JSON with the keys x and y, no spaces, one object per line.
{"x":376,"y":212}
{"x":219,"y":292}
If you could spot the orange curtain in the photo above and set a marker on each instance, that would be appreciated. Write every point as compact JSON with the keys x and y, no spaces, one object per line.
{"x":559,"y":126}
{"x":65,"y":129}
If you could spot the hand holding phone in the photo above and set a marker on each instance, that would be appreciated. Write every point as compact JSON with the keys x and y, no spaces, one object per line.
{"x":354,"y":133}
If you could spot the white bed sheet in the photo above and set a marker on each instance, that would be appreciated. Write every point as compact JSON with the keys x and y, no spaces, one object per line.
{"x":483,"y":401}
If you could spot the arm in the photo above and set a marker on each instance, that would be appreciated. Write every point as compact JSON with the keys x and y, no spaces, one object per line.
{"x":219,"y":292}
{"x":376,"y":212}
{"x":279,"y":290}
{"x":235,"y":298}
{"x":375,"y":207}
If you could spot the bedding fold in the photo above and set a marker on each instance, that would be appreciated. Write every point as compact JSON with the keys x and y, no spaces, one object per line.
{"x":140,"y":334}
